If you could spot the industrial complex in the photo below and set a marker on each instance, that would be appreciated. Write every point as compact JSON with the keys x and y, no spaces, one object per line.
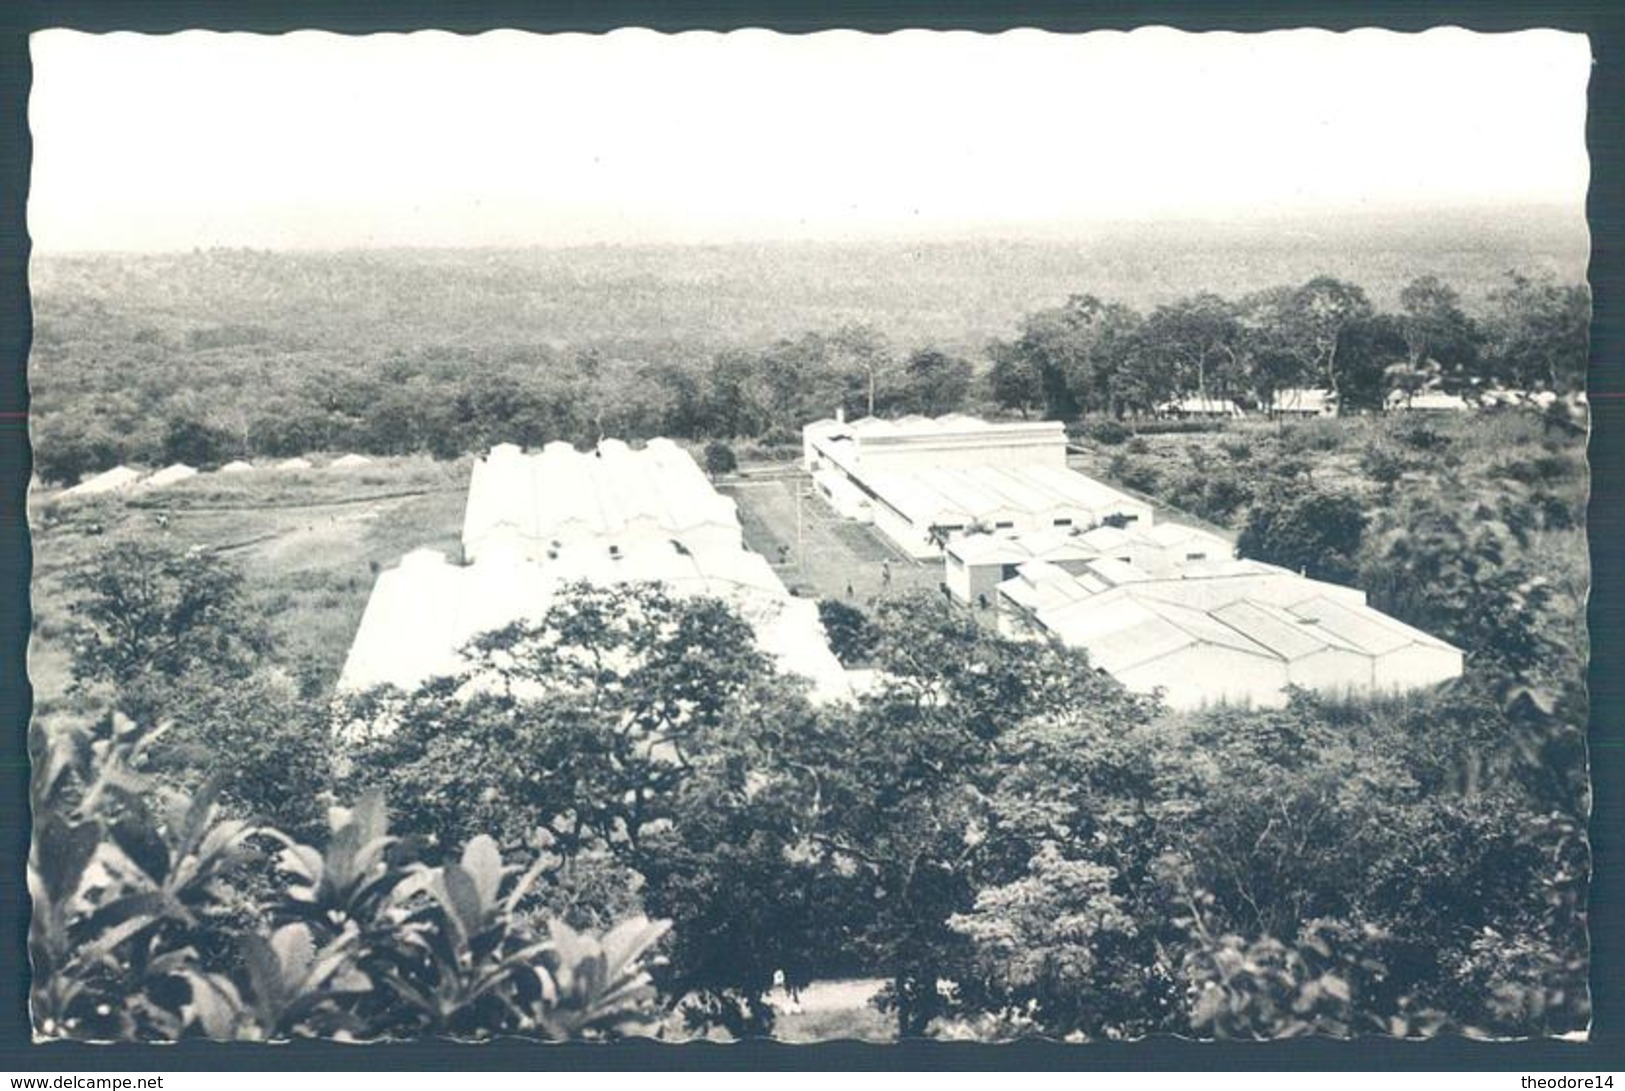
{"x":1023,"y":542}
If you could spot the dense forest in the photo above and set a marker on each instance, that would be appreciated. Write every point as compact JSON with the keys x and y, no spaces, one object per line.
{"x":211,"y":356}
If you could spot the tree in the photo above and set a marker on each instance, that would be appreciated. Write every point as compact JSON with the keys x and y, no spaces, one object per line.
{"x":936,"y":382}
{"x":1076,"y":349}
{"x":903,"y":785}
{"x":852,"y":635}
{"x":1312,"y":530}
{"x":354,"y":939}
{"x":198,"y":442}
{"x":1539,"y":333}
{"x":1199,"y":336}
{"x":1368,"y":347}
{"x":1014,"y":382}
{"x":68,"y":447}
{"x":720,"y":459}
{"x":862,"y":354}
{"x":1437,"y":331}
{"x":1316,"y":320}
{"x":146,"y":616}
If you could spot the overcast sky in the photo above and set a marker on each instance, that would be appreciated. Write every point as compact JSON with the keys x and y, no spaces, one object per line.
{"x":318,"y":140}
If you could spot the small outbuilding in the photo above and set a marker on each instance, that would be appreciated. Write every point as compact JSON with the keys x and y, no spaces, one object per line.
{"x":169,"y":475}
{"x":118,"y":479}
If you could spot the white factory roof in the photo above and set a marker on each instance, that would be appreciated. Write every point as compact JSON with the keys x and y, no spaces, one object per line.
{"x":1241,"y":606}
{"x":990,"y":494}
{"x":423,"y":611}
{"x":1063,"y":544}
{"x":537,"y":523}
{"x":562,"y":494}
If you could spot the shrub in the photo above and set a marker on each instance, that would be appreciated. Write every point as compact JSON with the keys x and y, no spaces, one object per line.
{"x":1314,"y":530}
{"x":1107,"y":431}
{"x":1134,"y":474}
{"x":1421,"y":435}
{"x":852,"y":634}
{"x":720,"y":458}
{"x":1383,"y":464}
{"x":355,"y":940}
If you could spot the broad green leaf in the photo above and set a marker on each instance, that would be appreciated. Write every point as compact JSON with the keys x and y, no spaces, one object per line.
{"x":61,"y":852}
{"x":483,"y":862}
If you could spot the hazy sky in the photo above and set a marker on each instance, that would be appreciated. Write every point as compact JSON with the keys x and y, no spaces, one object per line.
{"x":314,"y":139}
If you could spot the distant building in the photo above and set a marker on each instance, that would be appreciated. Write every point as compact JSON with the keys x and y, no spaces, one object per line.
{"x":976,"y":564}
{"x":170,"y":475}
{"x":237,"y":467}
{"x":350,"y":462}
{"x":1194,"y":407}
{"x":1426,"y":401}
{"x":1236,"y":632}
{"x":924,"y":482}
{"x":1303,"y":402}
{"x":536,"y":523}
{"x":118,"y":479}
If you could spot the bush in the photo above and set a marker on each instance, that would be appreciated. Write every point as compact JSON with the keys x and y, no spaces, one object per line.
{"x":1382,"y":464}
{"x":144,"y":927}
{"x":1134,"y":474}
{"x":1176,"y":427}
{"x":198,"y":443}
{"x":720,"y":458}
{"x":852,"y":634}
{"x":1107,"y":431}
{"x":1421,"y":435}
{"x":1312,"y":530}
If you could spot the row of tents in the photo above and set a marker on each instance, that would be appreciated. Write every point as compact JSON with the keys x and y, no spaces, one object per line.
{"x":125,"y":478}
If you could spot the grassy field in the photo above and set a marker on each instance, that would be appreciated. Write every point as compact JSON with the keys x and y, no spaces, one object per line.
{"x":309,"y":544}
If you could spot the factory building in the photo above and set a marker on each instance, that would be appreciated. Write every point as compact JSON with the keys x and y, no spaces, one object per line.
{"x":976,"y":564}
{"x":537,"y":523}
{"x":924,"y":482}
{"x":1234,"y":632}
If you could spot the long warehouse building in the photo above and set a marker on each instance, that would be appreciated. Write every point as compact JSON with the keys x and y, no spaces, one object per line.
{"x":536,"y":523}
{"x":1231,"y":632}
{"x":923,"y":481}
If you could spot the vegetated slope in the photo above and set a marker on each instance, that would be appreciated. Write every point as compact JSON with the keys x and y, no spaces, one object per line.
{"x":956,"y":293}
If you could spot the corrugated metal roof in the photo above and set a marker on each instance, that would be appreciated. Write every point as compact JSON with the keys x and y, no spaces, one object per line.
{"x":1287,"y":635}
{"x":1367,"y":628}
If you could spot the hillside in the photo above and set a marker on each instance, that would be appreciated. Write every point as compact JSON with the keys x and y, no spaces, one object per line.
{"x":956,"y":294}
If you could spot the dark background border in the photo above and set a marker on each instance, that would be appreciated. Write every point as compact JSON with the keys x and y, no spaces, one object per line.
{"x":1604,"y":22}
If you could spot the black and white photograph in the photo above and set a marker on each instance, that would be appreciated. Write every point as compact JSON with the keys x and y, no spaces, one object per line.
{"x":707,"y":537}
